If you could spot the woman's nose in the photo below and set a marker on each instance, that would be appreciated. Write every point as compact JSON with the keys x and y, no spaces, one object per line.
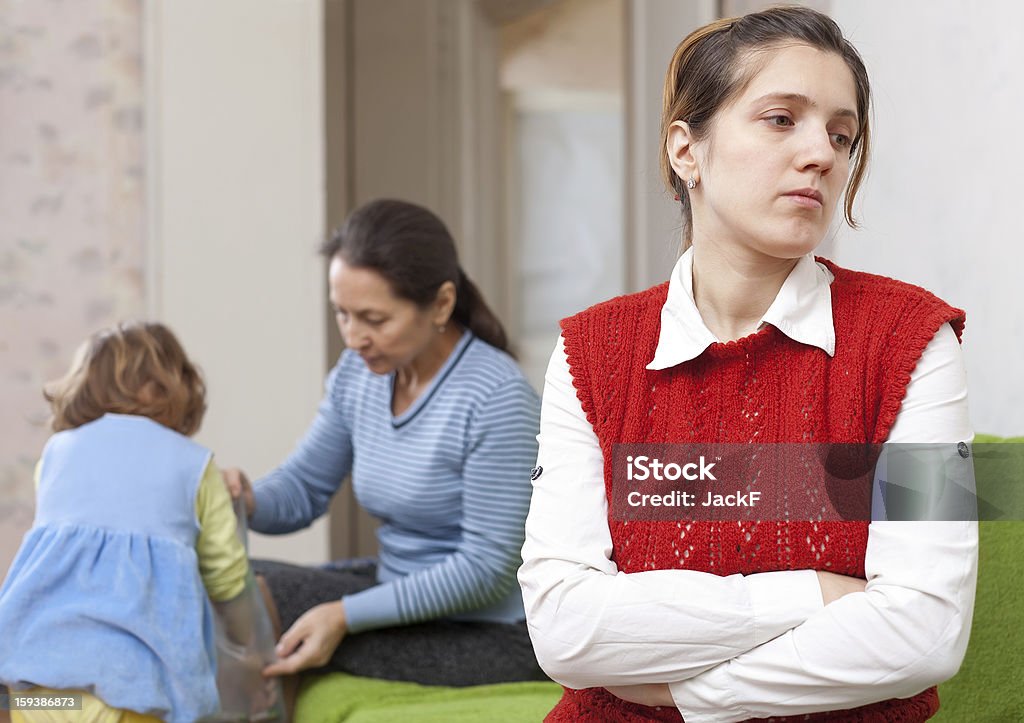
{"x":817,"y":151}
{"x":352,"y":334}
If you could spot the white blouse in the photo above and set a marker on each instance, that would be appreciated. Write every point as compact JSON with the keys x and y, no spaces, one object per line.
{"x":759,"y":645}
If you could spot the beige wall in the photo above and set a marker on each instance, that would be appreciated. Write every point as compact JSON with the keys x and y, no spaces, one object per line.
{"x":569,"y":45}
{"x":71,"y":200}
{"x":235,"y":213}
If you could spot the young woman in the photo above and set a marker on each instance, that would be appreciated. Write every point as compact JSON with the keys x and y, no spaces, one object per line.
{"x":751,"y":340}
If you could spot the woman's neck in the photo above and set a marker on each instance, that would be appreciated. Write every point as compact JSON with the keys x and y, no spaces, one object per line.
{"x":733,"y":288}
{"x":412,"y":378}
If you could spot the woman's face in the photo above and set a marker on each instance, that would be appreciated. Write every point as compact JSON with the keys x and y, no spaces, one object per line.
{"x":387,"y":331}
{"x":775,"y":163}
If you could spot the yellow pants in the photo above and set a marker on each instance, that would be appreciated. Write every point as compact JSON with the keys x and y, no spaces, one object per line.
{"x":93,"y":710}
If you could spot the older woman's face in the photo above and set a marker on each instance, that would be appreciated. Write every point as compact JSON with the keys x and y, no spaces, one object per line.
{"x":387,"y":331}
{"x":774,"y":166}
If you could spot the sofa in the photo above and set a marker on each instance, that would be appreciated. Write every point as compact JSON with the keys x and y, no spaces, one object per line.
{"x":988,"y":689}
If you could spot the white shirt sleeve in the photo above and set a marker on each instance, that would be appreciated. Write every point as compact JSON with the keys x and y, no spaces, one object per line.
{"x":906,"y":632}
{"x":594,"y":626}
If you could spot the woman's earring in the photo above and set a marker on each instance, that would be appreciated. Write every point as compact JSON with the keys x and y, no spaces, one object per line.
{"x":691,"y":183}
{"x":441,"y":328}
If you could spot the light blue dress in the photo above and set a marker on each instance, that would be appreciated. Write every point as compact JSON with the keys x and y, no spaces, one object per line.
{"x":105,"y":593}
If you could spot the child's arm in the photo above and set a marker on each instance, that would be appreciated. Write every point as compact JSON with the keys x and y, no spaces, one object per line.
{"x":223,"y":564}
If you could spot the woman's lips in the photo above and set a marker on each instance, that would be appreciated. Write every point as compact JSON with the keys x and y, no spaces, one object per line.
{"x":806,"y":198}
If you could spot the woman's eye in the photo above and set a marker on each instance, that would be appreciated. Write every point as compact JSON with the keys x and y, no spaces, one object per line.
{"x":781,"y":121}
{"x":841,"y":139}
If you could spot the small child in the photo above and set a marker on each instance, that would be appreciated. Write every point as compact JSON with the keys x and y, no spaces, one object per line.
{"x":134,"y":535}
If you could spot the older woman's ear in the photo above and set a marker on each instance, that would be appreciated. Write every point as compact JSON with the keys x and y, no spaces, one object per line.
{"x":444,"y":303}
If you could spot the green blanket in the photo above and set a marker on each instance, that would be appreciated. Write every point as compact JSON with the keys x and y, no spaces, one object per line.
{"x":988,"y":687}
{"x":337,"y":697}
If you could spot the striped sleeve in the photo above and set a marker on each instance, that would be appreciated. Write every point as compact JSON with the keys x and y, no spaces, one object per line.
{"x":495,"y":499}
{"x":299,"y":491}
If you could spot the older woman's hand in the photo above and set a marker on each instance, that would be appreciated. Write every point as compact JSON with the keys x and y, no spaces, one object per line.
{"x":311,"y":640}
{"x":239,"y":486}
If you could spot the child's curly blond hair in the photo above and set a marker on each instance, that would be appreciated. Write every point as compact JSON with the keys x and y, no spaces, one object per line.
{"x":132,"y":368}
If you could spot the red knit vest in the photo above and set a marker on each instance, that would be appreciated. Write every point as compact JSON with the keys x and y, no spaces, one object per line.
{"x":762,"y":388}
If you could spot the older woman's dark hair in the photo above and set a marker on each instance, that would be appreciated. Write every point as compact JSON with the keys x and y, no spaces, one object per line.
{"x":412,"y":249}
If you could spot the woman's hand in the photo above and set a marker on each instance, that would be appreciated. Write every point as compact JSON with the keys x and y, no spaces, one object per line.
{"x":311,"y":641}
{"x":835,"y":586}
{"x":239,"y":486}
{"x":652,"y":694}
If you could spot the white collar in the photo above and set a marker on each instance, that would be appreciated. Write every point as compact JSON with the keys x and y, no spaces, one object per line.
{"x":802,"y":310}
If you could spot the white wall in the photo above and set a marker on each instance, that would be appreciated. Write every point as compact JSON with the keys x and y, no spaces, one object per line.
{"x":941,"y":207}
{"x":562,"y":71}
{"x":653,"y":224}
{"x":236,"y":209}
{"x":569,"y":149}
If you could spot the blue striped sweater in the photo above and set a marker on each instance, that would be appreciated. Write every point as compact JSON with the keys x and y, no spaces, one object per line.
{"x":449,"y":480}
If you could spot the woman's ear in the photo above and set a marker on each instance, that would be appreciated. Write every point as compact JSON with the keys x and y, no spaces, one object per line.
{"x":679,"y":147}
{"x":444,"y":304}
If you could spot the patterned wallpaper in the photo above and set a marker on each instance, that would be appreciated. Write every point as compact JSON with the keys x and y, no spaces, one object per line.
{"x":71,"y":209}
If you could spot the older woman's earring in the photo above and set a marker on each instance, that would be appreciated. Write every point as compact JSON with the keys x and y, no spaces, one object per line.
{"x":441,"y":328}
{"x":691,"y":183}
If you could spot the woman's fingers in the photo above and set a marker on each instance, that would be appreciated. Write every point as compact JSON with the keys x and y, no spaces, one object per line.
{"x":296,"y":650}
{"x":834,"y":586}
{"x":286,"y":666}
{"x":238,"y":486}
{"x":311,"y":641}
{"x":295,"y":636}
{"x":290,"y":665}
{"x":650,"y":694}
{"x":233,"y":480}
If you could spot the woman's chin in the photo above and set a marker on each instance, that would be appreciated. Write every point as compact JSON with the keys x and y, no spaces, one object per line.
{"x":792,"y":244}
{"x":377,"y":365}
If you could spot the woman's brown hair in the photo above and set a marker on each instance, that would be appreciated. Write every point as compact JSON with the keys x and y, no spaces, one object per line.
{"x":412,"y":249}
{"x":710,"y":67}
{"x":133,"y":368}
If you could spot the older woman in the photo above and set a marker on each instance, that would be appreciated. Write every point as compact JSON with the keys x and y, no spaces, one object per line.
{"x":751,"y":340}
{"x":436,"y":425}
